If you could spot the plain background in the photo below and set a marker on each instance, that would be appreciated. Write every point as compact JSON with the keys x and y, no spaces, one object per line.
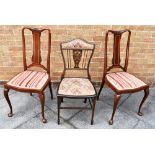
{"x":77,"y":12}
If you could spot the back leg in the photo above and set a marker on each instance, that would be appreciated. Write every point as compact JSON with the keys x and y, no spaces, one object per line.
{"x":146,"y":93}
{"x":85,"y":100}
{"x":102,"y":85}
{"x":6,"y":91}
{"x":50,"y":88}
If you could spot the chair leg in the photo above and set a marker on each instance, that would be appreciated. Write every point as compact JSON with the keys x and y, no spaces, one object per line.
{"x":116,"y":99}
{"x":146,"y":93}
{"x":102,"y":85}
{"x":85,"y":100}
{"x":8,"y":101}
{"x":62,"y":100}
{"x":93,"y":110}
{"x":42,"y":100}
{"x":50,"y":88}
{"x":58,"y":102}
{"x":30,"y":94}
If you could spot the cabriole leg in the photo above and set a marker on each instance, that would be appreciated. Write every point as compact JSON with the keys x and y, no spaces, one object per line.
{"x":116,"y":99}
{"x":146,"y":93}
{"x":42,"y":100}
{"x":6,"y":91}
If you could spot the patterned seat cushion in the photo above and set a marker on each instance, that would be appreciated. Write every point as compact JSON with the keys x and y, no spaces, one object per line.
{"x":29,"y":80}
{"x":124,"y":81}
{"x":76,"y":87}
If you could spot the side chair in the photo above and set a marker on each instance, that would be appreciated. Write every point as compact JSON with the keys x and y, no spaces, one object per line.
{"x":76,"y":54}
{"x":120,"y":82}
{"x":32,"y":81}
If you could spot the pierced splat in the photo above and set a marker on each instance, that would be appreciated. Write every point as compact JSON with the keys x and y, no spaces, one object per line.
{"x":36,"y":57}
{"x":77,"y":54}
{"x":116,"y":49}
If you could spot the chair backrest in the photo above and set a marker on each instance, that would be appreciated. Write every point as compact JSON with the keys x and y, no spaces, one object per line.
{"x":36,"y":43}
{"x":117,"y":36}
{"x":77,"y":54}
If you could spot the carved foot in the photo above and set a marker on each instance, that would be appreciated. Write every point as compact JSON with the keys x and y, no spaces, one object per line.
{"x":92,"y":122}
{"x":140,"y":113}
{"x":10,"y":114}
{"x":44,"y":120}
{"x":110,"y":122}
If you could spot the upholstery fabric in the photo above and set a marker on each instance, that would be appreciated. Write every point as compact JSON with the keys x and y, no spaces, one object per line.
{"x":77,"y":43}
{"x":124,"y":81}
{"x":76,"y":87}
{"x":29,"y":80}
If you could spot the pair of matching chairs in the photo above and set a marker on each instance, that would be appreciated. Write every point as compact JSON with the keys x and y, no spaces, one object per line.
{"x":76,"y":56}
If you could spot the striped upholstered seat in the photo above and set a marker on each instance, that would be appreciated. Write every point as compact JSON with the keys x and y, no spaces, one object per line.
{"x":124,"y":81}
{"x":29,"y":80}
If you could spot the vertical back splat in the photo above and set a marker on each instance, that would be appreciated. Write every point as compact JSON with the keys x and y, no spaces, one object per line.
{"x":77,"y":54}
{"x":116,"y":49}
{"x":36,"y":57}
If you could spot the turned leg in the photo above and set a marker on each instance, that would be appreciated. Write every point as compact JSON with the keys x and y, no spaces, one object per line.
{"x":58,"y":102}
{"x":6,"y":91}
{"x":116,"y":99}
{"x":102,"y":85}
{"x":93,"y":110}
{"x":42,"y":100}
{"x":50,"y":88}
{"x":146,"y":93}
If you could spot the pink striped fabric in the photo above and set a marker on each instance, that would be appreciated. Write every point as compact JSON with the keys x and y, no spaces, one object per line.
{"x":124,"y":81}
{"x":29,"y":79}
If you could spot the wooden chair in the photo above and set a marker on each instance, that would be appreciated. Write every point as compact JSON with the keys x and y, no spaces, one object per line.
{"x":30,"y":80}
{"x":76,"y":56}
{"x":120,"y":82}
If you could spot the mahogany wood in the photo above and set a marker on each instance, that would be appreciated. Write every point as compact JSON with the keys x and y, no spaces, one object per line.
{"x":116,"y":64}
{"x":36,"y":61}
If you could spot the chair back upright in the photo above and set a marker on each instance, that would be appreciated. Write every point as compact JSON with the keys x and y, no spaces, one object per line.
{"x":116,"y":50}
{"x":77,"y":54}
{"x":36,"y":60}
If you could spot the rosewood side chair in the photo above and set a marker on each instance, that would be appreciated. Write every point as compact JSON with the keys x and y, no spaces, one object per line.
{"x":30,"y":80}
{"x":120,"y":82}
{"x":76,"y":56}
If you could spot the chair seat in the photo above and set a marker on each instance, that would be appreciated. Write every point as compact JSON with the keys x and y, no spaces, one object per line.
{"x":124,"y":81}
{"x":76,"y":87}
{"x":29,"y":80}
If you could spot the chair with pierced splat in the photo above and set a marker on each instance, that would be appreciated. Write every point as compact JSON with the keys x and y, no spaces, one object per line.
{"x":76,"y":56}
{"x":120,"y":82}
{"x":30,"y":80}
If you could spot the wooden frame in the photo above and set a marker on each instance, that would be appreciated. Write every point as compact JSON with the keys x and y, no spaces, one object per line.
{"x":92,"y":98}
{"x":116,"y":64}
{"x":36,"y":62}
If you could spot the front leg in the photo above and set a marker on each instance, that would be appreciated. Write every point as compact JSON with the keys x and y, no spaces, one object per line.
{"x":6,"y":91}
{"x":116,"y":100}
{"x":146,"y":93}
{"x":42,"y":101}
